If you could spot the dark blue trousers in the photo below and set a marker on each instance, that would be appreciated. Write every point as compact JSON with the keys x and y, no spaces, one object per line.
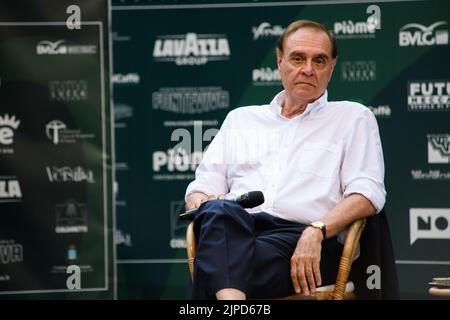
{"x":249,"y":252}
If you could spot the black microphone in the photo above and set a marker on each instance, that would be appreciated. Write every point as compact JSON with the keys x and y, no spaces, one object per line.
{"x":247,"y":200}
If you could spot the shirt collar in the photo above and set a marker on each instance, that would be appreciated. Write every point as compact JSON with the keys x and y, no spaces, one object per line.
{"x":313,"y":107}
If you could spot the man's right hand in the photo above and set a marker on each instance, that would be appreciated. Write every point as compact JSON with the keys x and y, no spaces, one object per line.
{"x":195,"y":199}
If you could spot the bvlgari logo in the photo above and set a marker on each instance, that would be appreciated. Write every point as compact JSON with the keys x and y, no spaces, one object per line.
{"x":415,"y":34}
{"x":46,"y":47}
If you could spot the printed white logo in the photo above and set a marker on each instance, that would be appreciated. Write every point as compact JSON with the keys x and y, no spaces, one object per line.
{"x":57,"y":132}
{"x":190,"y":100}
{"x":429,"y":95}
{"x":48,"y":47}
{"x":266,"y":30}
{"x":68,"y":174}
{"x":359,"y":71}
{"x":266,"y":77}
{"x":191,"y":48}
{"x":59,"y":47}
{"x":414,"y":34}
{"x":53,"y":128}
{"x":429,"y":223}
{"x":7,"y":126}
{"x":10,"y":190}
{"x":123,"y":238}
{"x":128,"y":78}
{"x":438,"y":148}
{"x":383,"y":111}
{"x":68,"y":90}
{"x":10,"y":252}
{"x":349,"y":29}
{"x":71,"y":217}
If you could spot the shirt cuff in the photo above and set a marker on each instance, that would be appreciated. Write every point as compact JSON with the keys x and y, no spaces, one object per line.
{"x":370,"y":189}
{"x":209,"y":183}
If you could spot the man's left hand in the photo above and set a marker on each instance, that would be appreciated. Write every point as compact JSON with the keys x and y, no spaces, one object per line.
{"x":305,"y":262}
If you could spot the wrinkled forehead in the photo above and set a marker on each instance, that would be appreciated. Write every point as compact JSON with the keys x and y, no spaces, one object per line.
{"x":308,"y":40}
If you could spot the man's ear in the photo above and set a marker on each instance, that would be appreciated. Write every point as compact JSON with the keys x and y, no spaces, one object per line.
{"x":279,"y":57}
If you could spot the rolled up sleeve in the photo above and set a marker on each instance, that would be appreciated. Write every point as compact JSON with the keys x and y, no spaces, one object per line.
{"x":362,"y":168}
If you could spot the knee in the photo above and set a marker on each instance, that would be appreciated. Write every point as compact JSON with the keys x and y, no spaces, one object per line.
{"x":222,"y":209}
{"x":216,"y":208}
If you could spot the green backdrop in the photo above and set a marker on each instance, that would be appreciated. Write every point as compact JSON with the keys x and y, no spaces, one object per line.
{"x":180,"y":62}
{"x":56,"y":173}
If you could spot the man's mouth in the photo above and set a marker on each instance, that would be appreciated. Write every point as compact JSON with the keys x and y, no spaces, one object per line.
{"x":307,"y":83}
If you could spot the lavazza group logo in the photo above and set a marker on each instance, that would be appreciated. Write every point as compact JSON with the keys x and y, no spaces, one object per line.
{"x":10,"y":190}
{"x":429,"y":95}
{"x":191,"y":48}
{"x":415,"y":34}
{"x":59,"y":47}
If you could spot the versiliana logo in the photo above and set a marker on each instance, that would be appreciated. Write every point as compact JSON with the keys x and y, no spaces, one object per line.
{"x":69,"y":174}
{"x":191,"y":48}
{"x":266,"y":30}
{"x":415,"y":34}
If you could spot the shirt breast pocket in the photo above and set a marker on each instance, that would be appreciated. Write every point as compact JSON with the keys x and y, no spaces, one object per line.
{"x":320,"y":159}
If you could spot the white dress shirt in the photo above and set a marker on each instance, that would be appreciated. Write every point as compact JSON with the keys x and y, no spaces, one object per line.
{"x":304,"y":166}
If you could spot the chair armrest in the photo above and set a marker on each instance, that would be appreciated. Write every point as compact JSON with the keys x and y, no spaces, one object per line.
{"x":348,"y":253}
{"x":190,"y":247}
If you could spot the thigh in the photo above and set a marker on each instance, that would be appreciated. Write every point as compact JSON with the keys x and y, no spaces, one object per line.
{"x":271,"y":269}
{"x":275,"y":243}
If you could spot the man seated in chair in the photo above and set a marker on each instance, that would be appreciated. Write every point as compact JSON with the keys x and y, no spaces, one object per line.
{"x":319,"y":164}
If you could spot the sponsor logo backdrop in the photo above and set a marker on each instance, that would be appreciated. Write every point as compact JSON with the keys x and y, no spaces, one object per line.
{"x":179,"y":69}
{"x":56,"y":195}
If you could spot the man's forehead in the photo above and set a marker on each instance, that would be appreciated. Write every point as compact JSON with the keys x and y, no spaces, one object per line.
{"x":309,"y":39}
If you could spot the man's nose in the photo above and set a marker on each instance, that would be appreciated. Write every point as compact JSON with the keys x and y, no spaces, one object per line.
{"x":307,"y":68}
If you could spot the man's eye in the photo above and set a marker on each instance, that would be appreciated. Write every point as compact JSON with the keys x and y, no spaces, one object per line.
{"x":297,"y":59}
{"x":320,"y":61}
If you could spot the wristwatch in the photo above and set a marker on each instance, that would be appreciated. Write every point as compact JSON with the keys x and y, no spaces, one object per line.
{"x":320,"y":225}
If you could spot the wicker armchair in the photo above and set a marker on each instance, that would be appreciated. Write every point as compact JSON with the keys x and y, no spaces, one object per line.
{"x":341,"y":290}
